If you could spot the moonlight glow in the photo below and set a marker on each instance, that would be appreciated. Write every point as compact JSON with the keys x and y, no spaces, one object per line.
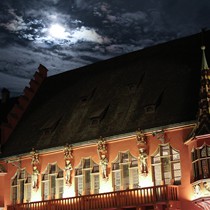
{"x":58,"y":31}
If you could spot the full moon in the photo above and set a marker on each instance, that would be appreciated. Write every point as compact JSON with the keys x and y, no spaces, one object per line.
{"x":57,"y":31}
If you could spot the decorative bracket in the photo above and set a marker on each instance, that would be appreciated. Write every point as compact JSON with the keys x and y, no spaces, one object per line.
{"x":15,"y":162}
{"x":141,"y":138}
{"x":160,"y":135}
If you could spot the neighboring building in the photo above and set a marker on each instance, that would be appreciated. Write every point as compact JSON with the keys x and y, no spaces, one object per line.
{"x":6,"y":104}
{"x":131,"y":132}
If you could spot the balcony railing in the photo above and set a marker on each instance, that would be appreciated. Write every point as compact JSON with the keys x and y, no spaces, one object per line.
{"x":134,"y":197}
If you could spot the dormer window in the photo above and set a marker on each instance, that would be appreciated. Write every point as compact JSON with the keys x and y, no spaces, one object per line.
{"x":152,"y":102}
{"x":150,"y":109}
{"x":50,"y":126}
{"x":131,"y":87}
{"x":83,"y":99}
{"x":95,"y":121}
{"x":98,"y":116}
{"x":87,"y":96}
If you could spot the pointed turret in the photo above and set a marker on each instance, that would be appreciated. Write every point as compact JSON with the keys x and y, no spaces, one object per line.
{"x":204,"y":64}
{"x":203,"y":119}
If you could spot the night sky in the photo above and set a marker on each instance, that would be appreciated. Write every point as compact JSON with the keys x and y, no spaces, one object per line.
{"x":67,"y":34}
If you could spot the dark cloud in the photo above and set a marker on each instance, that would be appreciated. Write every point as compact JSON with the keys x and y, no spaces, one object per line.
{"x":93,"y":30}
{"x":90,"y":59}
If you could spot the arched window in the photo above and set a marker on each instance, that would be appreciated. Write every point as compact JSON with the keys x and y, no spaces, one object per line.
{"x":125,"y":173}
{"x":21,"y":187}
{"x":201,"y":162}
{"x":52,"y":182}
{"x":166,"y":168}
{"x":87,"y":177}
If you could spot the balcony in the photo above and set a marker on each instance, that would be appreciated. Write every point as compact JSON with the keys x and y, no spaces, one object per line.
{"x":127,"y":198}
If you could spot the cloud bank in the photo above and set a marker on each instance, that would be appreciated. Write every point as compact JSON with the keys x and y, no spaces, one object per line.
{"x":90,"y":31}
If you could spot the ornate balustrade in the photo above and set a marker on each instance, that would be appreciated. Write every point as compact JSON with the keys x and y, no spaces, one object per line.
{"x":134,"y":197}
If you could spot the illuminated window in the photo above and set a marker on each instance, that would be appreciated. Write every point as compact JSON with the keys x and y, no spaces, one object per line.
{"x":201,"y":162}
{"x":166,"y":168}
{"x":52,"y":182}
{"x":87,"y":177}
{"x":21,"y":187}
{"x":125,"y":172}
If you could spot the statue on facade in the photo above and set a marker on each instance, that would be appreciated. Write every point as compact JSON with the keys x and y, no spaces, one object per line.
{"x":102,"y":152}
{"x":142,"y":147}
{"x":35,"y":177}
{"x":104,"y":164}
{"x":35,"y":170}
{"x":143,"y":160}
{"x":68,"y":169}
{"x":68,"y":165}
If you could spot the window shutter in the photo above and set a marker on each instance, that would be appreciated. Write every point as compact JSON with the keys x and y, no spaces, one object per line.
{"x":45,"y":186}
{"x":80,"y":185}
{"x":87,"y":182}
{"x":96,"y":183}
{"x":60,"y":188}
{"x":125,"y":176}
{"x":28,"y":192}
{"x":21,"y":191}
{"x":157,"y":174}
{"x":14,"y":194}
{"x":134,"y":177}
{"x":117,"y":180}
{"x":52,"y":187}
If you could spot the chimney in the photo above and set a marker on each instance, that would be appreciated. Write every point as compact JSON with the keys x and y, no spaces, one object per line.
{"x":5,"y":94}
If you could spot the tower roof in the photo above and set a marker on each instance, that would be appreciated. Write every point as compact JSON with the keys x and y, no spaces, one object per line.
{"x":203,"y":119}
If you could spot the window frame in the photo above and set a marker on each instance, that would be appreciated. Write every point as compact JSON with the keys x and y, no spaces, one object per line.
{"x":46,"y":182}
{"x":124,"y":158}
{"x":22,"y":185}
{"x":199,"y":169}
{"x":81,"y":173}
{"x":165,"y":158}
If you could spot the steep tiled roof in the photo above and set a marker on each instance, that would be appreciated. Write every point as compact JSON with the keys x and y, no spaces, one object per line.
{"x":153,"y":87}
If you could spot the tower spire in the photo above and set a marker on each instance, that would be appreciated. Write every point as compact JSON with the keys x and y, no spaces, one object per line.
{"x":202,"y":126}
{"x":204,"y":64}
{"x":203,"y":119}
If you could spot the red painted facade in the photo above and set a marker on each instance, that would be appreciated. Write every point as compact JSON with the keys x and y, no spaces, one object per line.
{"x":174,"y":136}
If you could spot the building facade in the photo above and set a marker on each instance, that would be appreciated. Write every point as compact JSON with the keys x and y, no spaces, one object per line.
{"x":132,"y":132}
